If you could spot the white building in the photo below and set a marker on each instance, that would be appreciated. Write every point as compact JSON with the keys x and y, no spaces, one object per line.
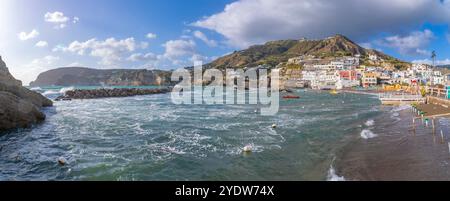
{"x":437,"y":78}
{"x":373,"y":57}
{"x":321,"y":79}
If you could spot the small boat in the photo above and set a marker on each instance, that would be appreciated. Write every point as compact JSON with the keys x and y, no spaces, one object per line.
{"x":286,"y":90}
{"x":334,"y":92}
{"x":291,"y":97}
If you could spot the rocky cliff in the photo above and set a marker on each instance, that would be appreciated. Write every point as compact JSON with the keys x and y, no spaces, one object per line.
{"x":20,"y":107}
{"x":78,"y":76}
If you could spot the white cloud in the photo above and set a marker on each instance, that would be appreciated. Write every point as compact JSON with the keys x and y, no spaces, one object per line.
{"x":151,"y":35}
{"x":75,"y":20}
{"x":45,"y":61}
{"x":42,"y":44}
{"x":429,"y":62}
{"x":110,"y":51}
{"x":246,"y":22}
{"x":198,"y":57}
{"x":411,"y":44}
{"x":26,"y":36}
{"x":423,"y":52}
{"x":142,"y":57}
{"x":61,"y":26}
{"x":56,"y":17}
{"x":29,"y":71}
{"x":144,"y":45}
{"x":366,"y":45}
{"x":179,"y":48}
{"x":74,"y":64}
{"x":59,"y":19}
{"x":200,"y":35}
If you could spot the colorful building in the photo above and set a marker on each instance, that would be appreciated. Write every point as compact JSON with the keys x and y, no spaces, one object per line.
{"x":369,"y":79}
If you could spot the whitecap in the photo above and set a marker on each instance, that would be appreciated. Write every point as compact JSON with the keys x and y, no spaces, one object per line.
{"x":36,"y":89}
{"x":66,"y":89}
{"x":401,"y":108}
{"x":367,"y":134}
{"x":62,"y":91}
{"x":370,"y":122}
{"x":332,"y":176}
{"x":50,"y":92}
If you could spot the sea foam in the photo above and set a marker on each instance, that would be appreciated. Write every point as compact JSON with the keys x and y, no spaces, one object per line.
{"x":367,"y":134}
{"x":36,"y":89}
{"x":401,"y":108}
{"x":66,"y":89}
{"x":56,"y":92}
{"x":370,"y":122}
{"x":332,"y":176}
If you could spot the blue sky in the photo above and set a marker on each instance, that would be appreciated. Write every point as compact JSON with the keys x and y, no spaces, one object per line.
{"x":46,"y":34}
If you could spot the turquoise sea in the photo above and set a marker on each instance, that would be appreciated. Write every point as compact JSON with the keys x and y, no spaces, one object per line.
{"x":149,"y":138}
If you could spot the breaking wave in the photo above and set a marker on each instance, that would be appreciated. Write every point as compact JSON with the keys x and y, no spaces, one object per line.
{"x":36,"y":89}
{"x":367,"y":134}
{"x":66,"y":89}
{"x":332,"y":176}
{"x":55,"y":92}
{"x":370,"y":122}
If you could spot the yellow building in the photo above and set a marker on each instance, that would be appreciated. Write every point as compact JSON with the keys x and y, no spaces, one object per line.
{"x":369,"y":79}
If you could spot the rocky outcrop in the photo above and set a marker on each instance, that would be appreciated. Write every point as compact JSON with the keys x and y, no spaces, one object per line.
{"x":106,"y":93}
{"x":16,"y":112}
{"x":20,"y":107}
{"x":78,"y":76}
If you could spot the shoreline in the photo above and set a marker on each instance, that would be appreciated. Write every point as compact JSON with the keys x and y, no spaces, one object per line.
{"x":372,"y":93}
{"x":395,"y":151}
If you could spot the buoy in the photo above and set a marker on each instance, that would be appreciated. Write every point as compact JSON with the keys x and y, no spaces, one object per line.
{"x":274,"y":125}
{"x":62,"y":161}
{"x":256,"y":111}
{"x":248,"y":148}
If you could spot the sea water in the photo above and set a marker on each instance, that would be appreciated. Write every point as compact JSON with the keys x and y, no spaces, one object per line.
{"x":149,"y":138}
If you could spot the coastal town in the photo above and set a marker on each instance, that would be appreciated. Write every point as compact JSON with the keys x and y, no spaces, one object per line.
{"x":349,"y":73}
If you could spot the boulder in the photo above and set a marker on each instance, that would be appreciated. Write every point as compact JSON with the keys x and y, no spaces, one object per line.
{"x":16,"y":112}
{"x":20,"y":106}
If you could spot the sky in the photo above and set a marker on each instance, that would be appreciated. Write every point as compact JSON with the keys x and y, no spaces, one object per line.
{"x":37,"y":36}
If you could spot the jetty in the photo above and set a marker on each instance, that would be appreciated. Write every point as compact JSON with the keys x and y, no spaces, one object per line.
{"x":108,"y":93}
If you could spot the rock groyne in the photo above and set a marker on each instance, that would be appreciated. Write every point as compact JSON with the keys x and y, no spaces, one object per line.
{"x":108,"y":93}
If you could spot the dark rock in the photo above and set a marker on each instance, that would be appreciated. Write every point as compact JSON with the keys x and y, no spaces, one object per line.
{"x":62,"y":161}
{"x":20,"y":107}
{"x":16,"y":112}
{"x":106,"y":93}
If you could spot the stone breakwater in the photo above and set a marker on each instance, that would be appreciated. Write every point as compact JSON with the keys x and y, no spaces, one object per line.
{"x":108,"y":93}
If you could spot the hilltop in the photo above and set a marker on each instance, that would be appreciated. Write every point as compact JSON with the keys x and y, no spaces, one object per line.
{"x":81,"y":76}
{"x":276,"y":52}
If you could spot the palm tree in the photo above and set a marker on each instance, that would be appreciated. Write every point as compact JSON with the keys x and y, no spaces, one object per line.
{"x":433,"y":57}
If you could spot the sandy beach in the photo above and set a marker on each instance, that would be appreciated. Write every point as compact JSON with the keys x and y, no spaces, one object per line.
{"x":396,"y":152}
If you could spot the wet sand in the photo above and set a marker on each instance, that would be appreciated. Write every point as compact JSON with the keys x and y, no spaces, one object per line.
{"x":397,"y":152}
{"x":434,"y":110}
